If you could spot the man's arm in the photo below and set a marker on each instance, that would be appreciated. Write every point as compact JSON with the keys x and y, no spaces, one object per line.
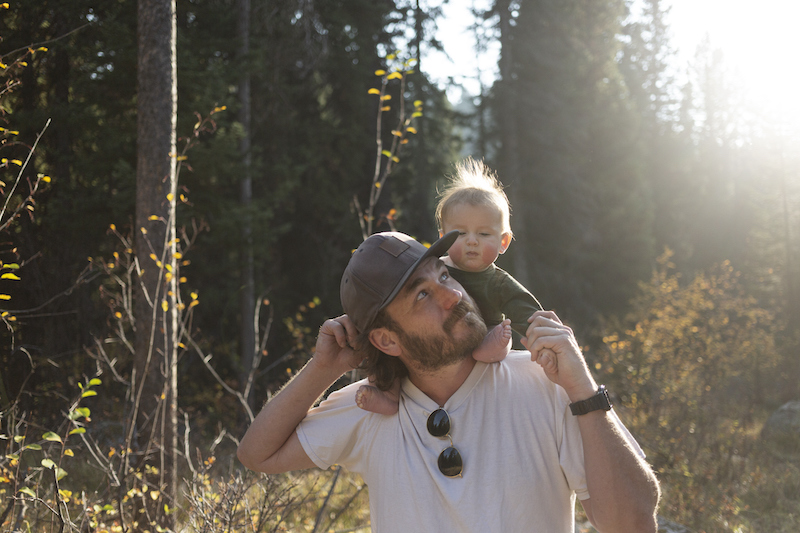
{"x":270,"y":444}
{"x":623,"y":490}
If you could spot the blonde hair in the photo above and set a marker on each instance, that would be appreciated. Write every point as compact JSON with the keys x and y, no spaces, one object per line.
{"x":473,"y":184}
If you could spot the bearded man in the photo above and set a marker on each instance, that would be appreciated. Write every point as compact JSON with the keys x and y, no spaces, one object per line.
{"x":474,"y":447}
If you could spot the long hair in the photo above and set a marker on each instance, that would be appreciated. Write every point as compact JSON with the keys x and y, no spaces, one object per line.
{"x":381,"y":368}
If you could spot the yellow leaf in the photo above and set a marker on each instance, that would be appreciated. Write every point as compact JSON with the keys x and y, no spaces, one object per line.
{"x":153,"y":257}
{"x":417,"y":103}
{"x":113,"y":227}
{"x":220,"y":108}
{"x":182,"y":158}
{"x":380,"y":72}
{"x":159,"y":264}
{"x":46,"y":179}
{"x":69,"y":453}
{"x":152,"y":217}
{"x":404,"y":141}
{"x":194,"y":302}
{"x":182,"y":279}
{"x":411,"y":129}
{"x":373,"y":91}
{"x":394,"y":76}
{"x":118,"y":314}
{"x":17,"y":162}
{"x":416,"y":114}
{"x":194,"y":296}
{"x":396,"y":159}
{"x":9,"y":275}
{"x":4,"y":5}
{"x":5,"y":297}
{"x":386,"y":108}
{"x":168,"y":277}
{"x":178,"y":255}
{"x":170,"y":197}
{"x":377,"y":185}
{"x":144,"y":231}
{"x":396,"y":133}
{"x":164,"y":305}
{"x":386,"y":97}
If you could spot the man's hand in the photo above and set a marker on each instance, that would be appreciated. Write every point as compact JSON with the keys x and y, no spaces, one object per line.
{"x":554,"y":347}
{"x":334,"y":345}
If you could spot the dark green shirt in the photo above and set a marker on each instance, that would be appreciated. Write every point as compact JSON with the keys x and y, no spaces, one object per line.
{"x":498,"y":295}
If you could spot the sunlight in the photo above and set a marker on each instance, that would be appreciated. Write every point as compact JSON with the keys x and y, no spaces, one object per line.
{"x":760,"y":44}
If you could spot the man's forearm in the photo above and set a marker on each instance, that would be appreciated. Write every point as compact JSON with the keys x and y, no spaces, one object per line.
{"x":268,"y":446}
{"x":623,"y":491}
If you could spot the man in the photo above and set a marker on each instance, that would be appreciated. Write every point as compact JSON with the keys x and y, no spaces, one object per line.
{"x":475,"y":446}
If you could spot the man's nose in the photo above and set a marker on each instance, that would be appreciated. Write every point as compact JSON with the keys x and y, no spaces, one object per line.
{"x":449,"y":297}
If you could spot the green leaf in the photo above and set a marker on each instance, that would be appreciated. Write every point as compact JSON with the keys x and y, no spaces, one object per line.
{"x":33,"y":447}
{"x":12,"y":266}
{"x":48,"y":463}
{"x":53,"y":437}
{"x":60,"y":473}
{"x":28,"y":491}
{"x":95,"y":381}
{"x":88,"y":393}
{"x":387,"y":153}
{"x":79,"y":412}
{"x":77,"y":431}
{"x":19,"y":438}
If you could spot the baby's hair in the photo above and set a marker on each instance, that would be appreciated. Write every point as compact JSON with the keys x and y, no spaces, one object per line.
{"x":477,"y":185}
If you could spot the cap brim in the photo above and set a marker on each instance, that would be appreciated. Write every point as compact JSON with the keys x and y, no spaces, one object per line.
{"x":437,"y":249}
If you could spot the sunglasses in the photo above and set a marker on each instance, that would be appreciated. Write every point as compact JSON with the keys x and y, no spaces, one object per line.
{"x":450,"y":462}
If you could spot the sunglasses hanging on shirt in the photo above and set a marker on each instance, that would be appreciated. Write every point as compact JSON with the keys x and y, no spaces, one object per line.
{"x":450,"y":462}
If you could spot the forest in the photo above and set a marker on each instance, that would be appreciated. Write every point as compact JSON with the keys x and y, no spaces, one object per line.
{"x":182,"y":183}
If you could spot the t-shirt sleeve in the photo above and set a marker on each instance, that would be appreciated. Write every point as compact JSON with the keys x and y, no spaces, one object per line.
{"x":329,"y":432}
{"x":571,"y":448}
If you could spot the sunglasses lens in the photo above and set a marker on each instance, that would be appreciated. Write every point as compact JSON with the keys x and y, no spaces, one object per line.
{"x":439,"y":423}
{"x":450,"y":463}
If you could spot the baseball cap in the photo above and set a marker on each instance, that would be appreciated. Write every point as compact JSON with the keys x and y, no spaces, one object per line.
{"x":378,"y":269}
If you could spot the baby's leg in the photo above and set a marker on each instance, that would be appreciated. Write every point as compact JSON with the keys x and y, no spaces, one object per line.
{"x":371,"y":398}
{"x":496,"y":344}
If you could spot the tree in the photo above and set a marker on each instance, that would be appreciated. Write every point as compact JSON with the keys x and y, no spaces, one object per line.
{"x":154,"y":421}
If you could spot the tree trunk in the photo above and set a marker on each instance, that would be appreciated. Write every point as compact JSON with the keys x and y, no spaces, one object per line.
{"x":509,"y":151}
{"x":155,"y":311}
{"x":247,"y":295}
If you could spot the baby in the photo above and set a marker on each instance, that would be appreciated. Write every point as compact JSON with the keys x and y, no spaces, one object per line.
{"x":473,"y":202}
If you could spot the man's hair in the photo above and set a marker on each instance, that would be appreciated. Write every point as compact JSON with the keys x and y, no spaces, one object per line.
{"x":477,"y":185}
{"x":383,"y":369}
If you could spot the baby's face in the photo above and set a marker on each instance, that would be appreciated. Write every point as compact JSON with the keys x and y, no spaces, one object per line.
{"x":480,"y":236}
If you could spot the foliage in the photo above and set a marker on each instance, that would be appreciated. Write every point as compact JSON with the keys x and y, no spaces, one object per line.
{"x":692,"y":367}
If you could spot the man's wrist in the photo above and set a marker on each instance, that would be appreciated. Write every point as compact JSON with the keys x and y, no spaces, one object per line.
{"x":597,"y":402}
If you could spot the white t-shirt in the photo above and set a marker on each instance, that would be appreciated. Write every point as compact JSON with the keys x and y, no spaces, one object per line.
{"x":521,"y":449}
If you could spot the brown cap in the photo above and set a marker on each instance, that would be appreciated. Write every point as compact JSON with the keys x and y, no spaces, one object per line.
{"x":379,"y":268}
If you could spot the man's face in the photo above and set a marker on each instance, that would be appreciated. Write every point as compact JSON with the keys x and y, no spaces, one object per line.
{"x":437,"y":323}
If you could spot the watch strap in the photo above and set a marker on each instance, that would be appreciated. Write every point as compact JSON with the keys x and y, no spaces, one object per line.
{"x":600,"y":401}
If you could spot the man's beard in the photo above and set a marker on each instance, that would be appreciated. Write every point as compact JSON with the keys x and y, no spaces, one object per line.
{"x":441,"y":350}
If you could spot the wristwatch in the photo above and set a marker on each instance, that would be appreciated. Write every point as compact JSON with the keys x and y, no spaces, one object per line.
{"x":595,"y":403}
